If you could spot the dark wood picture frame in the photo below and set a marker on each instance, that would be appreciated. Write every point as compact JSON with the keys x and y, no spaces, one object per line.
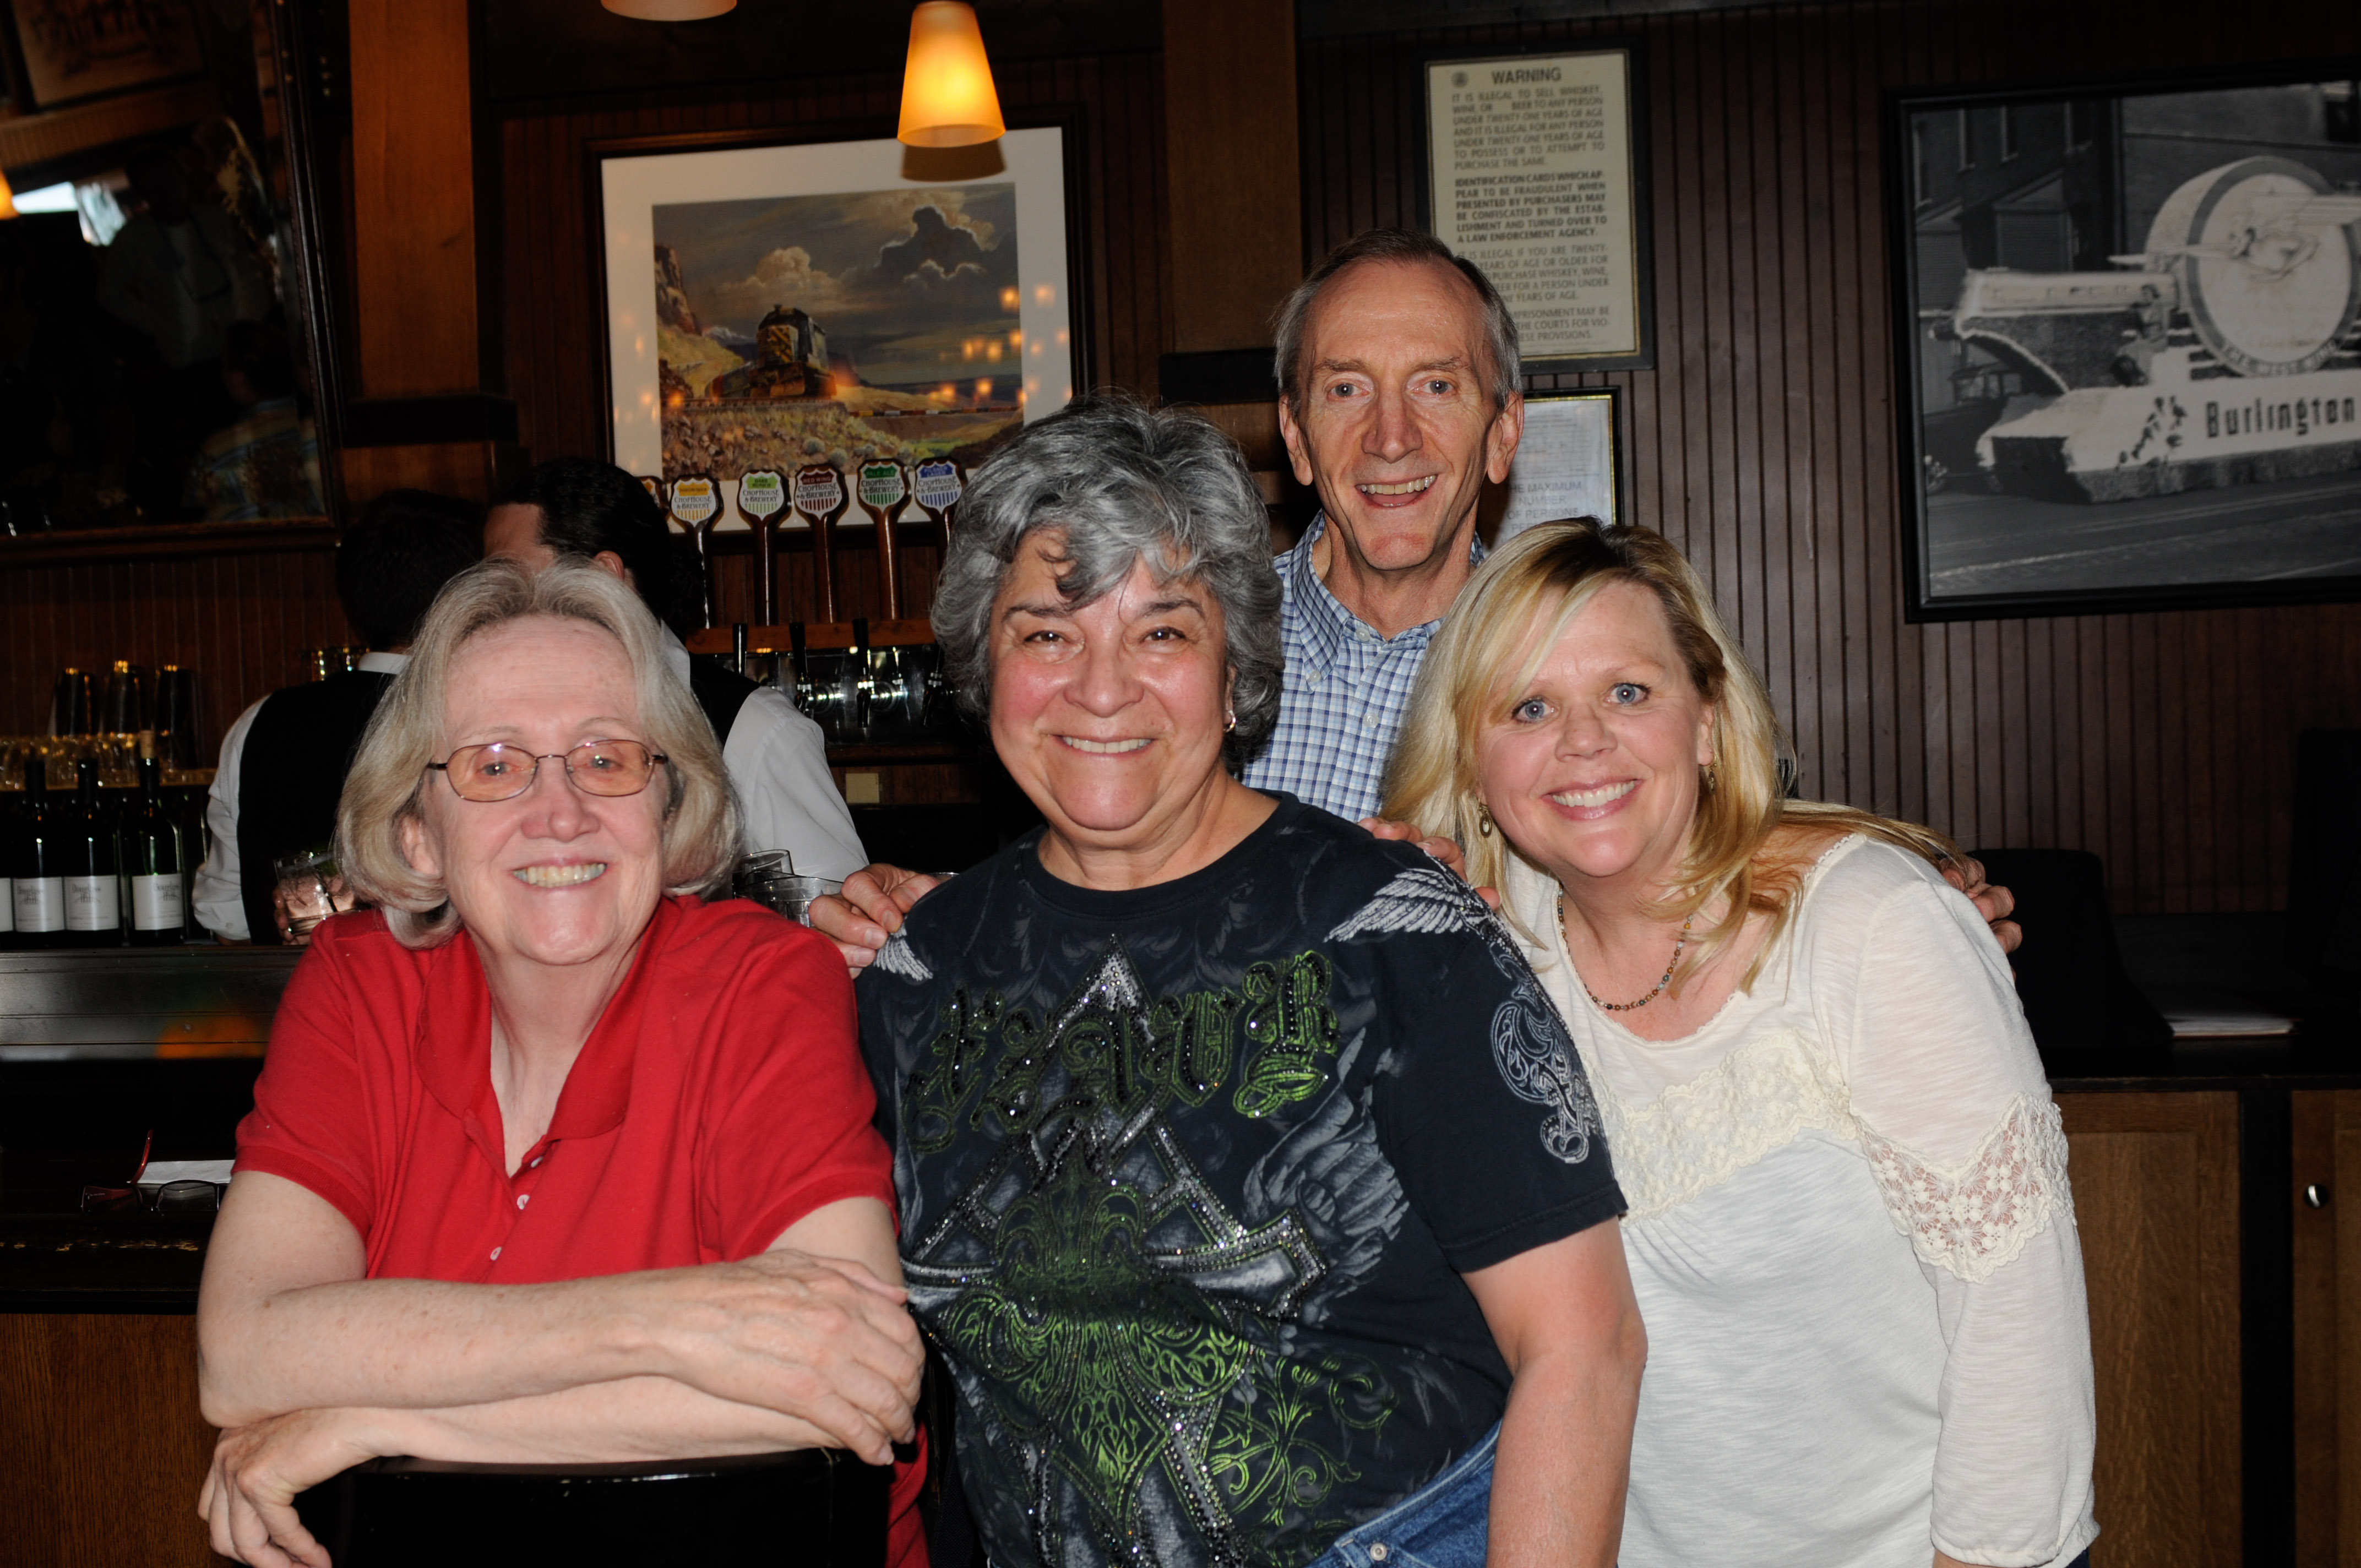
{"x":1067,"y":119}
{"x":1643,"y":262}
{"x":2014,"y":375}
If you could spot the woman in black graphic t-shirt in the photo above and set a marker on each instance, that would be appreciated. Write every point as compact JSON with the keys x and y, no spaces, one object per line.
{"x":1248,"y":1185}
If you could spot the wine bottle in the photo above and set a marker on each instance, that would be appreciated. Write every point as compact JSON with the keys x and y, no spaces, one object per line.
{"x":153,"y":861}
{"x":38,"y":884}
{"x":93,"y":899}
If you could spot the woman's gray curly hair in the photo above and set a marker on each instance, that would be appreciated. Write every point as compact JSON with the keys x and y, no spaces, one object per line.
{"x":1124,"y":483}
{"x":700,"y":838}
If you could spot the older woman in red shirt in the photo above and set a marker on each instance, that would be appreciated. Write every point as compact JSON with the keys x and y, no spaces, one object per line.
{"x":551,"y":1162}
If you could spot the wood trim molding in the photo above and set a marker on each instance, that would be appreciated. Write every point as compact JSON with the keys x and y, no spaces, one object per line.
{"x":414,"y":199}
{"x":150,"y":541}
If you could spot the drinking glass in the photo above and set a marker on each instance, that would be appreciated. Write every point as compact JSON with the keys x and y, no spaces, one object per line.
{"x":311,"y":888}
{"x":770,"y":879}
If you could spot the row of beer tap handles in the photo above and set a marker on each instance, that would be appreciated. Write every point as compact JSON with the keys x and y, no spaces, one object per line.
{"x":886,"y":493}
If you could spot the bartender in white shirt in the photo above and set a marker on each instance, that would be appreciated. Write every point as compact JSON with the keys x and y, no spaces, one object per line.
{"x":283,"y":762}
{"x":777,"y":759}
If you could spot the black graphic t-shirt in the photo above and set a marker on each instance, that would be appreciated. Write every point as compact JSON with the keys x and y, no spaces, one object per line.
{"x":1189,"y":1175}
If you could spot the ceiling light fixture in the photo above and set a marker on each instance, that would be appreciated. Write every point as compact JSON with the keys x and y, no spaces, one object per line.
{"x":947,"y":94}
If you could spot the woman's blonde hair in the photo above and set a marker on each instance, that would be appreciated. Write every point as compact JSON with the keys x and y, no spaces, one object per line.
{"x":382,"y":792}
{"x":1513,"y":613}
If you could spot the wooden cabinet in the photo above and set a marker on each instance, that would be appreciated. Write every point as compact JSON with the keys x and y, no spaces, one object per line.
{"x":2324,"y":1205}
{"x":2155,"y":1181}
{"x":2221,"y":1238}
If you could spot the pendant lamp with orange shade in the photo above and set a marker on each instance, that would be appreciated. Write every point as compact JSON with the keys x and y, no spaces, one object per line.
{"x":948,"y":99}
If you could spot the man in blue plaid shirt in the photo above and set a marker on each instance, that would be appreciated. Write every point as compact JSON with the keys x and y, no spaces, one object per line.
{"x":1399,"y":397}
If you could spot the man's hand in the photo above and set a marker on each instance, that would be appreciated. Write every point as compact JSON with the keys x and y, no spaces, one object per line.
{"x":1994,"y":904}
{"x":823,"y":1340}
{"x":869,"y":911}
{"x":339,"y":899}
{"x":248,"y":1498}
{"x":1447,"y":851}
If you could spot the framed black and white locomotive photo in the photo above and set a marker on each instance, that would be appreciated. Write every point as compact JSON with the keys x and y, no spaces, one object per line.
{"x":2128,"y":342}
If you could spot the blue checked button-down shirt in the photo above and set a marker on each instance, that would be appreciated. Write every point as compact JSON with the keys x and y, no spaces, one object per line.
{"x":1347,"y":689}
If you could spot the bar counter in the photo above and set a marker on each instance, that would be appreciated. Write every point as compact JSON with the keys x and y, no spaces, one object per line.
{"x":2206,"y":1178}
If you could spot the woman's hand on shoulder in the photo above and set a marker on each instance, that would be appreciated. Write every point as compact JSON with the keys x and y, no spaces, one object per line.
{"x":249,"y":1499}
{"x":1445,"y":851}
{"x":861,"y":918}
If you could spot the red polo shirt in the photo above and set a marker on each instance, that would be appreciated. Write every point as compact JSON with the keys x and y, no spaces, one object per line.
{"x":720,"y":1098}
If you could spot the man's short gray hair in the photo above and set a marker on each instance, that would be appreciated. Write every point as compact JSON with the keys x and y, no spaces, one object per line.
{"x":1398,"y":247}
{"x":1124,"y":483}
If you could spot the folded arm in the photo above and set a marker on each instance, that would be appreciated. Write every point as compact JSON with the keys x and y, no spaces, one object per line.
{"x":313,"y":1370}
{"x":285,"y":1323}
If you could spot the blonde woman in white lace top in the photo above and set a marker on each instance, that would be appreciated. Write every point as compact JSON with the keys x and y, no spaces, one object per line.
{"x":1851,"y":1231}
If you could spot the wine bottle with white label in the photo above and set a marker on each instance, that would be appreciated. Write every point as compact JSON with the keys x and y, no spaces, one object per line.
{"x":38,"y":881}
{"x":153,"y":863}
{"x":93,"y":896}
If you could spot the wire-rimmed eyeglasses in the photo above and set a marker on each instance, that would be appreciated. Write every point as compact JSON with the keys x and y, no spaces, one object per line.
{"x":498,"y":771}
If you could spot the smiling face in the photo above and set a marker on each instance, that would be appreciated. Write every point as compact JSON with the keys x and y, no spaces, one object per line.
{"x":1398,"y":429}
{"x":1109,"y":716}
{"x":1590,"y":767}
{"x":555,"y":875}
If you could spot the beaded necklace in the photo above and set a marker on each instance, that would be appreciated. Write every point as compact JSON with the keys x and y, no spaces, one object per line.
{"x":1625,"y":1006}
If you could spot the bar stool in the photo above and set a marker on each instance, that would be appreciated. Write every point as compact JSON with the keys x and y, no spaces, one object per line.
{"x":816,"y":1509}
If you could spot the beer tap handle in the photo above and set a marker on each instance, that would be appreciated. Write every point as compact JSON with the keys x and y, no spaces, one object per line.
{"x":882,"y":493}
{"x":762,"y":502}
{"x":696,"y":502}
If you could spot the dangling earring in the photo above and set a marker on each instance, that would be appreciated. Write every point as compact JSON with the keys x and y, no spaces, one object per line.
{"x":1483,"y":821}
{"x":1229,"y":722}
{"x":1711,"y":777}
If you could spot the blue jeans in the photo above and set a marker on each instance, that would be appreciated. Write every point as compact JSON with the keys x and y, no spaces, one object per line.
{"x":1441,"y":1525}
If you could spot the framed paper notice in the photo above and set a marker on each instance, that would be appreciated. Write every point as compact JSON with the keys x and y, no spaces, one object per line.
{"x":1536,"y":174}
{"x":1565,"y":464}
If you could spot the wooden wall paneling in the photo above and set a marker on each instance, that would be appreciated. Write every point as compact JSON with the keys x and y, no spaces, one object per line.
{"x":414,"y":194}
{"x":105,"y":1446}
{"x":1232,"y":164}
{"x":1763,"y":443}
{"x":2156,"y":1200}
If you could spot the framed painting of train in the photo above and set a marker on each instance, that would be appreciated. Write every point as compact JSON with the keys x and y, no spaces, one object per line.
{"x":2128,"y":342}
{"x":772,"y":304}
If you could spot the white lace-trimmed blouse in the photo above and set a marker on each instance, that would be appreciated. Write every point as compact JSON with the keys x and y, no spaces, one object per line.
{"x":1853,"y":1245}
